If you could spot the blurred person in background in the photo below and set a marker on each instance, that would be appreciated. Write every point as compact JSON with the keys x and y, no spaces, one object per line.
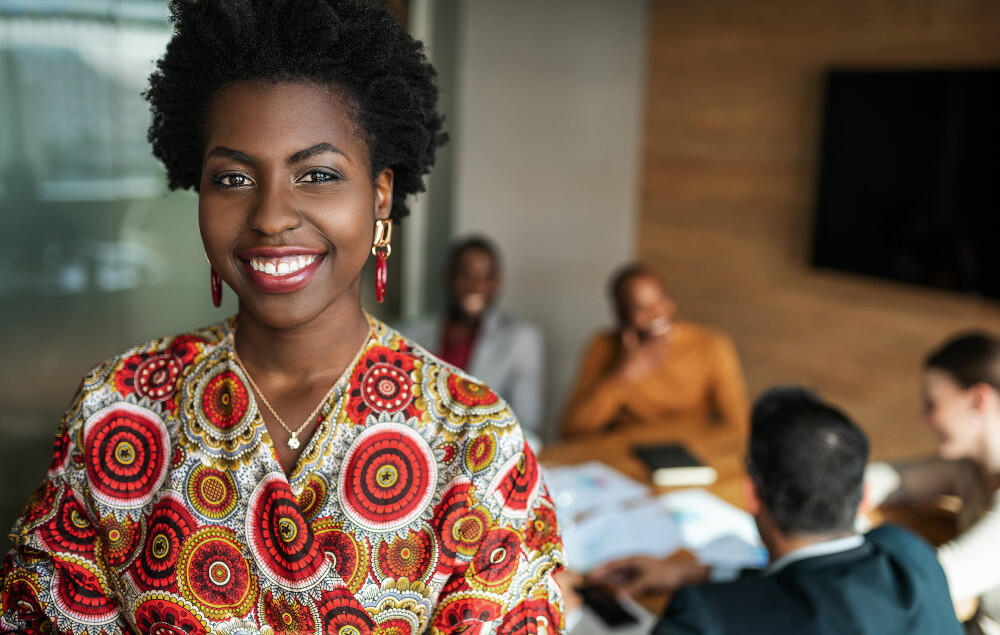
{"x":300,"y":466}
{"x":805,"y":466}
{"x":653,"y":370}
{"x":961,"y":395}
{"x":474,"y":334}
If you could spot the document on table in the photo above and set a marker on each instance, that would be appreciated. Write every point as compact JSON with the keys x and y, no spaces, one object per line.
{"x":604,"y":515}
{"x":581,"y":489}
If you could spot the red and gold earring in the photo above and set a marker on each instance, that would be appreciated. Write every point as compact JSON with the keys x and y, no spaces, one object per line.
{"x":381,"y":250}
{"x":216,"y":288}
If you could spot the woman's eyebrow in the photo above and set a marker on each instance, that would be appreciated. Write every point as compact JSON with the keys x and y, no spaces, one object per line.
{"x":311,"y":151}
{"x":229,"y":153}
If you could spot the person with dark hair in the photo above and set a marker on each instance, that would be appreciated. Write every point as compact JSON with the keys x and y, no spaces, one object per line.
{"x":475,"y":335}
{"x":653,"y":370}
{"x":299,"y":467}
{"x":961,"y":392}
{"x":805,"y":463}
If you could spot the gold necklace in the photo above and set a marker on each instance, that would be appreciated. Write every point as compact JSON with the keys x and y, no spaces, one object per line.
{"x":293,"y":441}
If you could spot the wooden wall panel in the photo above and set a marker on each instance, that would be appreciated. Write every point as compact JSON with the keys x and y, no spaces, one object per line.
{"x":729,"y":169}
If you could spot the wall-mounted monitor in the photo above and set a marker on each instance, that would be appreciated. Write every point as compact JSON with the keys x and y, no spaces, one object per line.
{"x":909,"y":180}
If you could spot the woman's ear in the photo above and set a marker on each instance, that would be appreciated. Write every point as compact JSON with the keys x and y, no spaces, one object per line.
{"x":383,"y":194}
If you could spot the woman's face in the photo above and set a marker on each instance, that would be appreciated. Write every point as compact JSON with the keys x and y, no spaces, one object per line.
{"x":949,"y":411}
{"x":287,"y":203}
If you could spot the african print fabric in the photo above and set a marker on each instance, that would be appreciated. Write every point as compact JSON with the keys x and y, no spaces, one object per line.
{"x":415,"y":507}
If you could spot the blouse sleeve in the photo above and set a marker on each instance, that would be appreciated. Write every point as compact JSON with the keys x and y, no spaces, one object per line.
{"x":963,"y":558}
{"x":729,"y":390}
{"x":51,"y":580}
{"x":508,"y":584}
{"x":598,"y":395}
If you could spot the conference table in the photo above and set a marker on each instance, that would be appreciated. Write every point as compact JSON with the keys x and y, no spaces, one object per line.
{"x":724,"y":450}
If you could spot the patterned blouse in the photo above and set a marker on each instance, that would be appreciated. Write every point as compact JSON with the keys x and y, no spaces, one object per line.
{"x":416,"y":506}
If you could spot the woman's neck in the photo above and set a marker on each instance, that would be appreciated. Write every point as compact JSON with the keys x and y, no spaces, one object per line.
{"x":317,"y":351}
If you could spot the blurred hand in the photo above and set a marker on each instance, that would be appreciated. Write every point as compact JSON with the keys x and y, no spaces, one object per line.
{"x":639,"y":575}
{"x":641,"y":356}
{"x":568,"y":581}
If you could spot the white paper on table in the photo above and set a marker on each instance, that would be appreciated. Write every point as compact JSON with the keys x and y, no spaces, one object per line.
{"x":645,"y":528}
{"x":589,"y":487}
{"x":718,"y":533}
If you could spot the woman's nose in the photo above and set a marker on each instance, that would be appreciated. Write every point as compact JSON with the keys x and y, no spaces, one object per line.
{"x":274,"y":211}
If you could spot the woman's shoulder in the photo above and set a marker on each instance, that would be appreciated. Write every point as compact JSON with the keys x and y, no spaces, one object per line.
{"x":476,"y":436}
{"x":400,"y":374}
{"x":148,"y":374}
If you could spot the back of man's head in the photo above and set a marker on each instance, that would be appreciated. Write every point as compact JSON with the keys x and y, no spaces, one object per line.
{"x":807,"y":462}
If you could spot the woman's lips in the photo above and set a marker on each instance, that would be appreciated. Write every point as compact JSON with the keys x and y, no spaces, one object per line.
{"x":280,"y":271}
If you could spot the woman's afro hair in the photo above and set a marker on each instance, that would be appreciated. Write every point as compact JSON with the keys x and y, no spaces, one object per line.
{"x":357,"y":47}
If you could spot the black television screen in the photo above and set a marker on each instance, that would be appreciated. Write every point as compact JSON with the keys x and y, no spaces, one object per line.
{"x":909,"y":181}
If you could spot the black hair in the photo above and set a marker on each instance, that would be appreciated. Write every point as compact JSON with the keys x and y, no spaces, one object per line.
{"x":616,"y":286}
{"x":807,"y":460}
{"x":970,"y":358}
{"x":358,"y":48}
{"x":469,"y":243}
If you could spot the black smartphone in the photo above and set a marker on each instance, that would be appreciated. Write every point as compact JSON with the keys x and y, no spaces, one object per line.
{"x":602,"y":601}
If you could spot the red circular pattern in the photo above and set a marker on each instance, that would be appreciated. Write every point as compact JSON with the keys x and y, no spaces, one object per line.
{"x":162,"y":614}
{"x":70,"y":530}
{"x":125,"y":452}
{"x":466,"y":614}
{"x":459,"y":527}
{"x":530,"y":617}
{"x":341,"y":614}
{"x":480,"y":452}
{"x":388,"y":478}
{"x":386,"y":388}
{"x":411,"y":557}
{"x":170,"y":524}
{"x":542,"y":530}
{"x":394,"y":626}
{"x":225,"y":400}
{"x":211,"y":571}
{"x":280,"y":538}
{"x":312,"y":496}
{"x":78,"y":592}
{"x":20,"y":594}
{"x":381,"y":383}
{"x":519,"y":483}
{"x":286,"y":616}
{"x":156,"y":377}
{"x":211,"y":492}
{"x":470,"y":393}
{"x":349,"y":556}
{"x":60,"y":454}
{"x":41,"y":504}
{"x":119,"y":540}
{"x":497,"y":558}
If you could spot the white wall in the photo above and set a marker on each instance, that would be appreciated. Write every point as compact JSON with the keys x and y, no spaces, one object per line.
{"x":546,"y":136}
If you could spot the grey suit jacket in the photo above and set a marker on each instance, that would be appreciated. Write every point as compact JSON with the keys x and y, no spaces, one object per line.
{"x":508,"y":357}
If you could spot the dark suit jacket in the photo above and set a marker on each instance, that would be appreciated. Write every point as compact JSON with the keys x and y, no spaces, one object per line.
{"x":891,"y":585}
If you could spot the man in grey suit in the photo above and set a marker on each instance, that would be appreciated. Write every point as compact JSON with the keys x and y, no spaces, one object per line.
{"x":475,"y":335}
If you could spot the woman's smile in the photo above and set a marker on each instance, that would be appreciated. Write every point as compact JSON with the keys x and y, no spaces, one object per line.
{"x":281,"y":269}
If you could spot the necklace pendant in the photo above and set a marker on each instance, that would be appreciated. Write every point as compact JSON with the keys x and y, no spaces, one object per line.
{"x":293,"y":443}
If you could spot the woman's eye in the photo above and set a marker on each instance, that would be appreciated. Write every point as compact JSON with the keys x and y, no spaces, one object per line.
{"x":319,"y":176}
{"x":232,"y":180}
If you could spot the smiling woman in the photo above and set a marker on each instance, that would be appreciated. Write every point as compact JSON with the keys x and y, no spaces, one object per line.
{"x":348,"y":502}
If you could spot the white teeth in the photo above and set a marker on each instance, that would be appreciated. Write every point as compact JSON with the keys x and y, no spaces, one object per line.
{"x":281,"y":266}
